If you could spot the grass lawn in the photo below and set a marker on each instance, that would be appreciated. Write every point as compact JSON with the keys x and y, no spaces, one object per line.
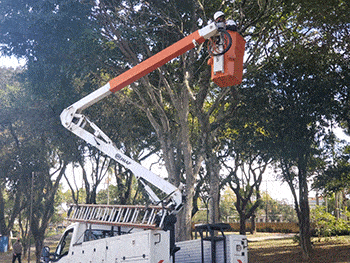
{"x":335,"y":250}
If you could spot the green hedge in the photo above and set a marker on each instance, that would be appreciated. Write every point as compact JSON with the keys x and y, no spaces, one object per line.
{"x":280,"y":227}
{"x":325,"y":224}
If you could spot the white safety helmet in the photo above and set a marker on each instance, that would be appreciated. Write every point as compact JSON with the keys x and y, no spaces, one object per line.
{"x":218,"y":14}
{"x":230,"y":22}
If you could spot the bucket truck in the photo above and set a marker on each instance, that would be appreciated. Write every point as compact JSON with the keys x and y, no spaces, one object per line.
{"x":130,"y":233}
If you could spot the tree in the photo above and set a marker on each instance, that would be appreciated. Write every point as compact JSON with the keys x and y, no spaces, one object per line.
{"x":27,"y":146}
{"x":300,"y":95}
{"x":184,"y":109}
{"x":245,"y":181}
{"x":228,"y":211}
{"x":335,"y":176}
{"x":11,"y":203}
{"x":43,"y":204}
{"x":164,"y":95}
{"x":183,"y":157}
{"x":245,"y":157}
{"x":274,"y":210}
{"x":307,"y":74}
{"x":50,"y":35}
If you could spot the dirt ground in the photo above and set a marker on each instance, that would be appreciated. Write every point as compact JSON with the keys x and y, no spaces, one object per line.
{"x":271,"y":249}
{"x":7,"y":257}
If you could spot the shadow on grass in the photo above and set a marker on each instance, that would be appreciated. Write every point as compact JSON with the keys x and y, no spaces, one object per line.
{"x":286,"y":251}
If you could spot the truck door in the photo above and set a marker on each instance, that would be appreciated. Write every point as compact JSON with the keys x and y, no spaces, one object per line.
{"x":62,"y":249}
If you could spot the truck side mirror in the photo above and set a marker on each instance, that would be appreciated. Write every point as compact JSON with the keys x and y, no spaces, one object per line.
{"x":45,"y":255}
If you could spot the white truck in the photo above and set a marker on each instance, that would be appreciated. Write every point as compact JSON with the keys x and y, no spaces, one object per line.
{"x":115,"y":233}
{"x":119,"y":233}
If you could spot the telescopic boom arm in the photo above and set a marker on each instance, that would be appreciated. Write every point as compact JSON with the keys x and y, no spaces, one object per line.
{"x":144,"y":68}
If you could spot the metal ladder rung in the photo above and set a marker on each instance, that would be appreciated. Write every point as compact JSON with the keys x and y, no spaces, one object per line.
{"x":151,"y":217}
{"x":112,"y":215}
{"x":93,"y":212}
{"x":145,"y":217}
{"x":135,"y":215}
{"x":98,"y":214}
{"x":120,"y":212}
{"x":80,"y":211}
{"x":87,"y":213}
{"x":126,"y":218}
{"x":105,"y":215}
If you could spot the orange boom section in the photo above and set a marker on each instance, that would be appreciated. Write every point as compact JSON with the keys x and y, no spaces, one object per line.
{"x":155,"y":61}
{"x":233,"y":63}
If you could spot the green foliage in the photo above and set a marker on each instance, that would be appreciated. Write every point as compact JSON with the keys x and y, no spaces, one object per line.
{"x":80,"y":194}
{"x":117,"y":195}
{"x":228,"y":212}
{"x":326,"y":224}
{"x":276,"y":210}
{"x":56,"y":38}
{"x":336,"y":176}
{"x":29,"y":147}
{"x":278,"y":227}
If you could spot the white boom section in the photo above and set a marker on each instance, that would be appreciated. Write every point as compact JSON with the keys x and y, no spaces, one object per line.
{"x":81,"y":127}
{"x":77,"y":123}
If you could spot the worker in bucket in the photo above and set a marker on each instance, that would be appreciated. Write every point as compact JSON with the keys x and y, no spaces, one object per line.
{"x":219,"y":18}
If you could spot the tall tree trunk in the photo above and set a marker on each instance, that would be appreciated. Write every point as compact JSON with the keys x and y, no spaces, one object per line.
{"x":252,"y":224}
{"x":337,"y":205}
{"x":3,"y":229}
{"x":212,"y":164}
{"x":302,"y":207}
{"x":214,"y":192}
{"x":44,"y":202}
{"x":304,"y":218}
{"x":185,"y":223}
{"x":39,"y":244}
{"x":242,"y":223}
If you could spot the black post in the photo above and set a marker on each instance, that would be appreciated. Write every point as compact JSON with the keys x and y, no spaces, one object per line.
{"x":169,"y":224}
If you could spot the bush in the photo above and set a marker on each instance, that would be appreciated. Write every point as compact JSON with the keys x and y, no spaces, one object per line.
{"x":327,"y":225}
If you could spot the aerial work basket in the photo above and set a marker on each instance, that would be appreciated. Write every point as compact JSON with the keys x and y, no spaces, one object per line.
{"x":227,"y":67}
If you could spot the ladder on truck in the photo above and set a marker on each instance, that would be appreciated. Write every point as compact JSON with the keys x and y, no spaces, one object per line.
{"x":138,"y":216}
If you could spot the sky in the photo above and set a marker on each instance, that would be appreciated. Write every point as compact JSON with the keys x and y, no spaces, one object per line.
{"x":11,"y":62}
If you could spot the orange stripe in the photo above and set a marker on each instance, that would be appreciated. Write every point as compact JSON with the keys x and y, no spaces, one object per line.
{"x":155,"y":61}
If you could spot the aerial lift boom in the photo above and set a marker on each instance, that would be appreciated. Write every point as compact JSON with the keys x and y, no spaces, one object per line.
{"x":73,"y":119}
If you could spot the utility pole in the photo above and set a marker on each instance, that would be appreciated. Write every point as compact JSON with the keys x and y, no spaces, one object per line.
{"x":30,"y":216}
{"x":108,"y":190}
{"x":266,"y":208}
